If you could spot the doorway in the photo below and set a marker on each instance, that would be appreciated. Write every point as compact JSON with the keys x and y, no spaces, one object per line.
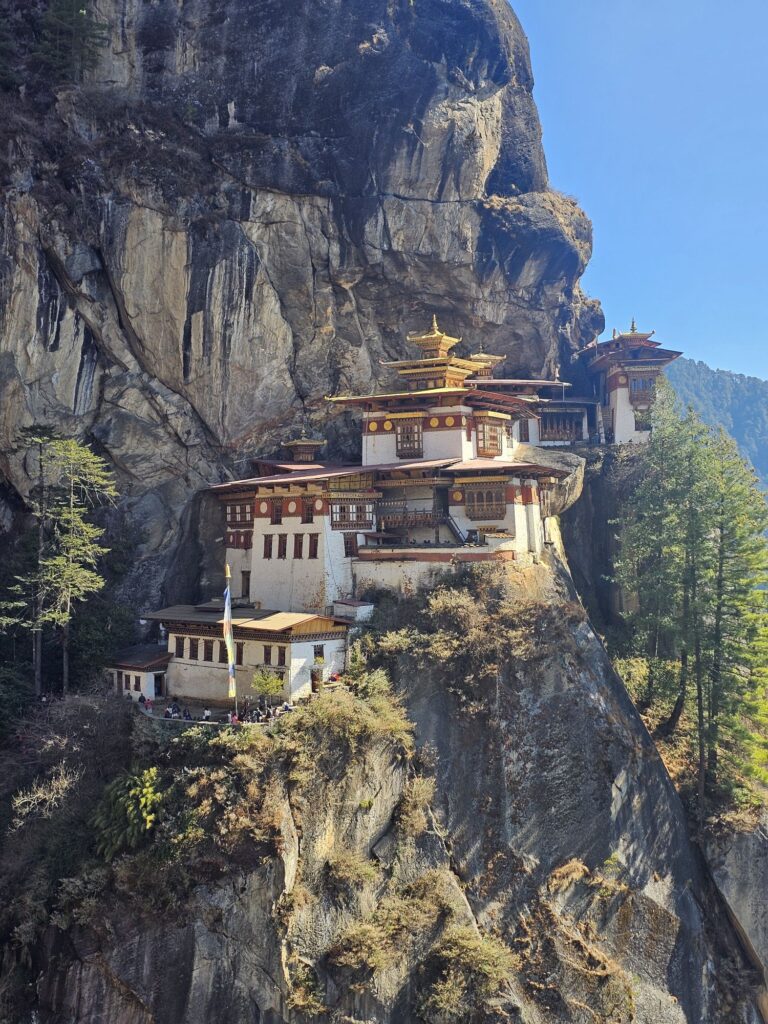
{"x":159,"y":684}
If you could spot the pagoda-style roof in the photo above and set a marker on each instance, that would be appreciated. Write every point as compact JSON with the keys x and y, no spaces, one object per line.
{"x":633,"y":346}
{"x":434,"y":343}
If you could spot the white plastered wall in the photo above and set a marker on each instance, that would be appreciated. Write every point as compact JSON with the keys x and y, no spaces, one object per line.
{"x":624,"y":419}
{"x":299,"y":584}
{"x":303,"y":662}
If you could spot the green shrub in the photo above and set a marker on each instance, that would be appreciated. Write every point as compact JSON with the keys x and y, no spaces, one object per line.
{"x":468,"y":970}
{"x":347,"y":871}
{"x":128,"y":812}
{"x":412,"y":809}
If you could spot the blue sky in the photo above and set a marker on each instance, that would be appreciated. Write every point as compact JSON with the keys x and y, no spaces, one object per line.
{"x":655,"y":118}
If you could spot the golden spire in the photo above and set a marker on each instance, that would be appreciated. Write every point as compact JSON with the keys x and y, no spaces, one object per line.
{"x":633,"y":328}
{"x":435,"y":328}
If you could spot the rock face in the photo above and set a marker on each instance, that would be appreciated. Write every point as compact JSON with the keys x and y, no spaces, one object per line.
{"x":245,"y":210}
{"x":740,"y":867}
{"x":554,"y":827}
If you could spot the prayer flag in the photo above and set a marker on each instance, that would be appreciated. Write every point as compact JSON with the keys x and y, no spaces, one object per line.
{"x":228,"y":637}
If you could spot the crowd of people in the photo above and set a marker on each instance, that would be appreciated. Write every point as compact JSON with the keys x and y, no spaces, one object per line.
{"x":261,"y":714}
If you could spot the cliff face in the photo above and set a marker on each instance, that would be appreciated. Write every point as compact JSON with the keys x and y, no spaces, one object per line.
{"x":553,"y":827}
{"x":246,"y":208}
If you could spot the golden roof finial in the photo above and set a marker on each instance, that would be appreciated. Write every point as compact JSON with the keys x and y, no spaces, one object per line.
{"x":435,"y":328}
{"x":633,"y":328}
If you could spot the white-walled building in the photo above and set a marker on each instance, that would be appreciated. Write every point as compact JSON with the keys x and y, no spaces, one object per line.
{"x":304,"y":650}
{"x":624,"y":371}
{"x":440,"y":482}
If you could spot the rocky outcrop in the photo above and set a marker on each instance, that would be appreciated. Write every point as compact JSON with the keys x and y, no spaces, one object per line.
{"x":246,"y":208}
{"x":739,"y":863}
{"x":553,"y":827}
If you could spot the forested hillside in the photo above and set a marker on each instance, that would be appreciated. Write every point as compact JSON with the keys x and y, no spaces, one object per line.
{"x":731,"y":400}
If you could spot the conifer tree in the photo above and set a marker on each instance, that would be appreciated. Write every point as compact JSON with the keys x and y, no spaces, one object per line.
{"x":650,"y":567}
{"x":71,"y":482}
{"x":695,"y":558}
{"x":71,"y":38}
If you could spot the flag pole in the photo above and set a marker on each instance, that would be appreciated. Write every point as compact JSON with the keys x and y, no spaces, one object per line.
{"x":229,"y":640}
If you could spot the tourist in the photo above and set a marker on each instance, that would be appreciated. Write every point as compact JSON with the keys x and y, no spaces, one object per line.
{"x":229,"y":718}
{"x":206,"y":714}
{"x":142,"y":699}
{"x":187,"y":715}
{"x":175,"y":709}
{"x":234,"y":719}
{"x":149,"y":705}
{"x":168,"y":713}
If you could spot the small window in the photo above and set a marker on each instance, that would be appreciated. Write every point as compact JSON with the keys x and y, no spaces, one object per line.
{"x":408,"y":439}
{"x":179,"y":646}
{"x":267,"y":545}
{"x":319,"y":652}
{"x":267,"y":654}
{"x":277,"y":513}
{"x":126,"y":682}
{"x":488,"y":438}
{"x":137,"y":683}
{"x":119,"y":680}
{"x":308,"y":512}
{"x":298,"y":545}
{"x":222,"y":652}
{"x":282,"y":545}
{"x":280,"y":655}
{"x":525,"y":430}
{"x":207,"y":650}
{"x":350,"y":545}
{"x":193,"y":644}
{"x":238,"y":653}
{"x":313,"y":544}
{"x":245,"y":584}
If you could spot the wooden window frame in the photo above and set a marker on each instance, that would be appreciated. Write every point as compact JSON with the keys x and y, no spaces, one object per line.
{"x":239,"y":645}
{"x":179,"y":646}
{"x":281,"y":656}
{"x":314,"y":545}
{"x":223,"y":656}
{"x":194,"y":645}
{"x":350,"y":545}
{"x":282,"y":546}
{"x":207,"y":650}
{"x":268,"y":543}
{"x":276,"y":512}
{"x":489,"y":438}
{"x":318,"y":652}
{"x":267,"y":654}
{"x":485,"y":503}
{"x":409,"y":439}
{"x":298,"y":545}
{"x":307,"y":512}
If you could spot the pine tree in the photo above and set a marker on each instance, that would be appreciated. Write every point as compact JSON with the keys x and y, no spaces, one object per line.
{"x":70,"y":40}
{"x":71,"y":482}
{"x":695,"y":558}
{"x":738,"y":601}
{"x":650,"y":567}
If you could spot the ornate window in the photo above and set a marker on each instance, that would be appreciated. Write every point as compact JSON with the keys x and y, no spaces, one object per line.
{"x":267,"y":545}
{"x":179,"y":646}
{"x":562,"y":426}
{"x":352,"y":515}
{"x":298,"y":545}
{"x":193,"y":645}
{"x":409,"y":442}
{"x":488,"y":438}
{"x":350,"y":545}
{"x":307,"y":512}
{"x":314,"y":539}
{"x":207,"y":650}
{"x":282,"y":545}
{"x":276,"y":517}
{"x":486,"y":503}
